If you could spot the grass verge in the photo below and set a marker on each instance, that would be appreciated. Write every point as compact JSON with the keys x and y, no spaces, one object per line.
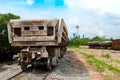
{"x":99,"y":64}
{"x":105,"y":56}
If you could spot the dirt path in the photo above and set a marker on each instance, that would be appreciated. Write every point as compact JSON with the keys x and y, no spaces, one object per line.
{"x":74,"y":67}
{"x":71,"y":67}
{"x":113,"y":60}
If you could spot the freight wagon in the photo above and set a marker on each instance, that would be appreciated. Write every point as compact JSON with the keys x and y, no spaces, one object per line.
{"x":100,"y":45}
{"x":116,"y":44}
{"x":43,"y":41}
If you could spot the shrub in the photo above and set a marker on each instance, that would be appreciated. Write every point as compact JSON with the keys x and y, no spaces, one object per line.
{"x":105,"y":55}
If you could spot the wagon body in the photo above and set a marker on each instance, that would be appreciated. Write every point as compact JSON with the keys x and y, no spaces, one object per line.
{"x":116,"y":44}
{"x":100,"y":45}
{"x":43,"y":32}
{"x":44,"y":41}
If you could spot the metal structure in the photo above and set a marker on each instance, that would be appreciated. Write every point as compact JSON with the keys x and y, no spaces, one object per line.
{"x":77,"y":27}
{"x":43,"y":41}
{"x":100,"y":45}
{"x":116,"y":44}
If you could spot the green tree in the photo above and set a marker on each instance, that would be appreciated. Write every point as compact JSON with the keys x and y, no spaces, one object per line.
{"x":97,"y":38}
{"x":4,"y":18}
{"x":78,"y":41}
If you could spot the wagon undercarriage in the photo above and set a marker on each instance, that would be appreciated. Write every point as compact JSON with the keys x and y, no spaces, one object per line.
{"x":48,"y":56}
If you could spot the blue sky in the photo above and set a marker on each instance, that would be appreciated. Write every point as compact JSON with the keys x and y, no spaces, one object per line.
{"x":95,"y":17}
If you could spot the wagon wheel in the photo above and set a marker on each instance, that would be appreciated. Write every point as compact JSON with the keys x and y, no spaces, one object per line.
{"x":23,"y":65}
{"x":49,"y":66}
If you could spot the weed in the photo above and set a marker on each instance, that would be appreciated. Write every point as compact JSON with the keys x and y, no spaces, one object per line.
{"x":105,"y":55}
{"x":100,"y":65}
{"x":117,"y":61}
{"x":109,"y":77}
{"x":8,"y":62}
{"x":18,"y":53}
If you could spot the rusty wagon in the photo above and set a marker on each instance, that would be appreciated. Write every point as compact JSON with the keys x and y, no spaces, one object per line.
{"x":116,"y":44}
{"x":43,"y":41}
{"x":100,"y":45}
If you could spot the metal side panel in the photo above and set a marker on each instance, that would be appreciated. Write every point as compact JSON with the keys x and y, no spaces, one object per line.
{"x":62,"y":33}
{"x":35,"y":38}
{"x":9,"y":33}
{"x":30,"y":43}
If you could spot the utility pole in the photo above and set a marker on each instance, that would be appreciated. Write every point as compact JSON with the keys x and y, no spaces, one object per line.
{"x":77,"y":27}
{"x":73,"y":35}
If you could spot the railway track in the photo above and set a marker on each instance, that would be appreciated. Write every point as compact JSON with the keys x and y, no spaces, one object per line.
{"x":30,"y":74}
{"x":15,"y":75}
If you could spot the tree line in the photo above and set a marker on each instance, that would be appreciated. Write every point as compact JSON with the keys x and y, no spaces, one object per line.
{"x":76,"y":42}
{"x":4,"y":18}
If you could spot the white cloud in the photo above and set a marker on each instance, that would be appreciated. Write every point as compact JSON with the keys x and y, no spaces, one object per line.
{"x":29,"y":2}
{"x":79,"y":12}
{"x":93,"y":30}
{"x":102,"y":5}
{"x":100,"y":33}
{"x":95,"y":17}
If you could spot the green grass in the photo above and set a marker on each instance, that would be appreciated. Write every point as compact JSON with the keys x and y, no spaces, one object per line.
{"x":8,"y":62}
{"x":109,"y":77}
{"x":105,"y":55}
{"x":99,"y":64}
{"x":117,"y":61}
